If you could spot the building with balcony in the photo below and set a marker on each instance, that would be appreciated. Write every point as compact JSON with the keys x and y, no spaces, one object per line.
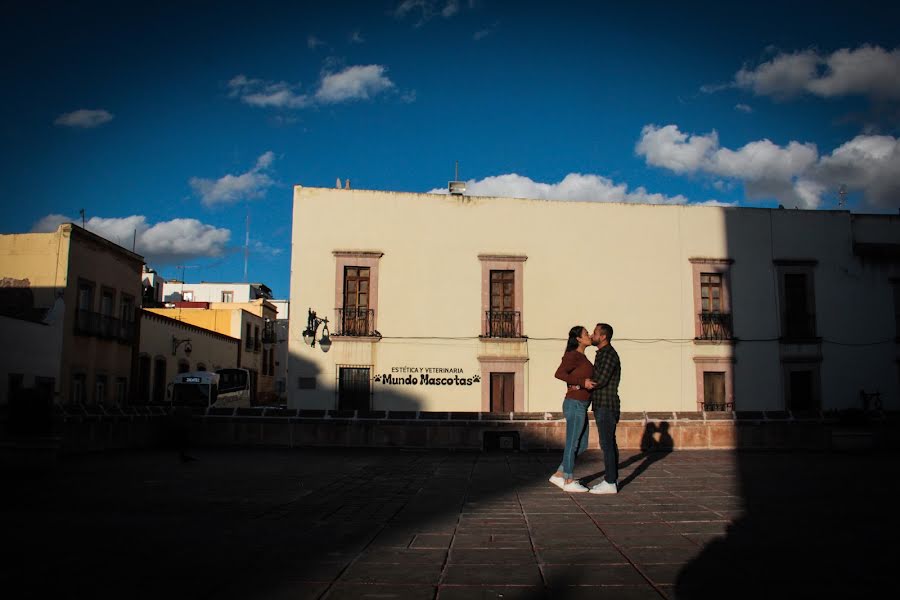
{"x":82,"y":291}
{"x":461,"y":304}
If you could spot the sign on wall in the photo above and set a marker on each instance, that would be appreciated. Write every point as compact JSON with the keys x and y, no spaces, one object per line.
{"x":427,"y":376}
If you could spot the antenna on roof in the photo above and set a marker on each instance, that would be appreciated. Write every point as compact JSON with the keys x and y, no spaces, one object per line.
{"x":842,"y":196}
{"x":456,"y":187}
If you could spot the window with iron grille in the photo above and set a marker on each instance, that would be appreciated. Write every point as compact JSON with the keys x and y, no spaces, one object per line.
{"x":502,"y":318}
{"x":354,"y":388}
{"x":714,"y":397}
{"x":715,"y":320}
{"x":711,"y":292}
{"x":79,"y":380}
{"x":799,"y":319}
{"x":355,"y":316}
{"x":121,"y":391}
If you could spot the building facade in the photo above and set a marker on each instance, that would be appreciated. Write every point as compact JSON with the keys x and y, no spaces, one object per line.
{"x":457,"y":303}
{"x":250,"y":322}
{"x":280,"y":335}
{"x":205,"y":291}
{"x":91,"y":287}
{"x":169,"y":346}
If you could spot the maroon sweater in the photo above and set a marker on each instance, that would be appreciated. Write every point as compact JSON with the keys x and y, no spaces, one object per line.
{"x":574,"y":369}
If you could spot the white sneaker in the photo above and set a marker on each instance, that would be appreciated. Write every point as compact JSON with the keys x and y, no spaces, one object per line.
{"x":557,"y":481}
{"x":574,"y":486}
{"x":605,"y":488}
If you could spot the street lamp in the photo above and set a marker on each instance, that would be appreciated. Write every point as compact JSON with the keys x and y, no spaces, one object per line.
{"x":309,"y":334}
{"x":187,"y":345}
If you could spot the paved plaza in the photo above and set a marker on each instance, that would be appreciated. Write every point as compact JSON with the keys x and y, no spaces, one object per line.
{"x":356,"y":523}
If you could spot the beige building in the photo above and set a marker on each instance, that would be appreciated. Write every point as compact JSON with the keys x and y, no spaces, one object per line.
{"x":251,"y":322}
{"x":208,"y":291}
{"x":169,"y":346}
{"x":87,"y":288}
{"x":457,"y":303}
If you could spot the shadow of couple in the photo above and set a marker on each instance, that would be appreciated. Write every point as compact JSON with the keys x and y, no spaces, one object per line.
{"x":656,"y":444}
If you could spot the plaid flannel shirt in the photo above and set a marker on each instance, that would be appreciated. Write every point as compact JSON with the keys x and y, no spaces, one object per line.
{"x":607,"y":373}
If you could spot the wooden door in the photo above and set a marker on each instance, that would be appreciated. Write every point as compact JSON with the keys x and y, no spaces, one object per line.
{"x":503,"y":392}
{"x":356,"y":301}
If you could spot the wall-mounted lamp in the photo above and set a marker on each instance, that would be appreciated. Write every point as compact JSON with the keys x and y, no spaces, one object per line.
{"x":187,"y":345}
{"x":309,"y":335}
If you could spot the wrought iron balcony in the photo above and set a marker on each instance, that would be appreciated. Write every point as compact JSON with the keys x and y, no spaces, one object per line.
{"x":268,"y":333}
{"x":358,"y":322}
{"x":715,"y":326}
{"x":95,"y":324}
{"x":503,"y":323}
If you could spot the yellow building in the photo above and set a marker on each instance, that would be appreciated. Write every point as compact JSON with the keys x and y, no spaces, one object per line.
{"x":458,"y":303}
{"x":168,"y":346}
{"x":250,"y":322}
{"x":89,"y":285}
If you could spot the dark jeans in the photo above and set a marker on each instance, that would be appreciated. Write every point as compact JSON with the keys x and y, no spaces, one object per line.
{"x":606,"y":427}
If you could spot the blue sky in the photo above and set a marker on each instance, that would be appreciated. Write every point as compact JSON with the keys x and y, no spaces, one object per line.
{"x":177,"y":122}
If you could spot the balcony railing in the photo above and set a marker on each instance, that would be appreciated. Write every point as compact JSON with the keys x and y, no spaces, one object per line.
{"x":359,"y":322}
{"x":503,"y":323}
{"x":718,"y":407}
{"x":715,"y":326}
{"x":103,"y":326}
{"x":799,"y":326}
{"x":268,"y":334}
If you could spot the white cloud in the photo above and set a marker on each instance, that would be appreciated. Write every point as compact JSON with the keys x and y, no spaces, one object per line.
{"x":84,"y":118}
{"x":353,"y":83}
{"x":574,"y":186}
{"x":233,"y":188}
{"x":669,"y":148}
{"x":793,"y":174}
{"x":481,"y":34}
{"x":869,"y":164}
{"x":450,"y":9}
{"x":360,"y":82}
{"x":266,"y":94}
{"x":312,"y":42}
{"x":356,"y":37}
{"x":427,"y":9}
{"x":865,"y":71}
{"x":163,"y":242}
{"x":744,"y":108}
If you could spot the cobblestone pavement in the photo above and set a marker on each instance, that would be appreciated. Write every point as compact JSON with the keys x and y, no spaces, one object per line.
{"x":343,"y":523}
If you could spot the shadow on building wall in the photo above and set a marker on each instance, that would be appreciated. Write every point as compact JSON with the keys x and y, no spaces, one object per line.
{"x":809,"y":523}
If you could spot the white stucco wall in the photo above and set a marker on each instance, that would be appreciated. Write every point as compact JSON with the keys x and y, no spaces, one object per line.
{"x":627,"y":265}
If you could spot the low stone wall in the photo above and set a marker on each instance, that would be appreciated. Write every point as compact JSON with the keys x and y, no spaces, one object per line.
{"x":152,"y":427}
{"x":537,"y":431}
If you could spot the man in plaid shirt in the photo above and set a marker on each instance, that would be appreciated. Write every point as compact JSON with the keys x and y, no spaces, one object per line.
{"x":604,"y":386}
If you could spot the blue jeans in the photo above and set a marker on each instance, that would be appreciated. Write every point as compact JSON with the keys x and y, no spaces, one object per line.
{"x":576,"y":434}
{"x":606,"y":427}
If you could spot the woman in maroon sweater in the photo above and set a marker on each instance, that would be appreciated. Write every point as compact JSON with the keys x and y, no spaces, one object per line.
{"x":576,"y":370}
